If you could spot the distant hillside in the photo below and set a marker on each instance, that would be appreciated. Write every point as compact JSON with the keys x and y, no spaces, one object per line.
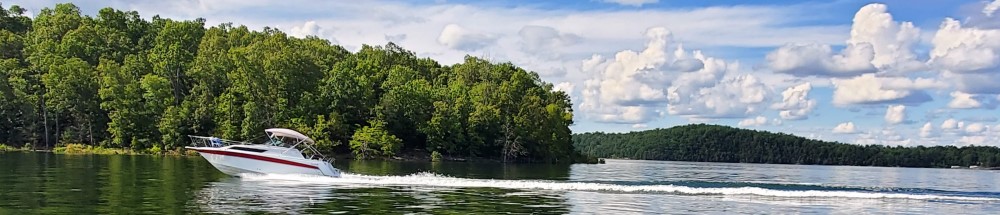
{"x":715,"y":143}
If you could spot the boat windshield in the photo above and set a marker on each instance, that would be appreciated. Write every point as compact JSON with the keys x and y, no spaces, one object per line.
{"x":283,"y":142}
{"x":292,"y":139}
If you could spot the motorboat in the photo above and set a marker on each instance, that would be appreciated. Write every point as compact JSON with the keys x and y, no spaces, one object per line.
{"x":285,"y":152}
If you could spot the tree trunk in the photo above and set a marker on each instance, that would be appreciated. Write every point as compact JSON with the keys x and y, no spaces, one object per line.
{"x":45,"y":120}
{"x":90,"y":131}
{"x":511,"y":146}
{"x":57,"y":129}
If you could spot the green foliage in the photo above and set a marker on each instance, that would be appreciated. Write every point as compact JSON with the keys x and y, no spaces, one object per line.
{"x":14,"y":20}
{"x":6,"y":148}
{"x":155,"y":150}
{"x":75,"y":148}
{"x":72,"y":95}
{"x":11,"y":45}
{"x":406,"y":108}
{"x":116,"y":80}
{"x":436,"y":156}
{"x":374,"y":140}
{"x":322,"y":129}
{"x":714,"y":143}
{"x":16,"y":108}
{"x":126,"y":95}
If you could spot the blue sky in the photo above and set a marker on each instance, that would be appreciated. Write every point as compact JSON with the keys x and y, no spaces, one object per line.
{"x":890,"y":72}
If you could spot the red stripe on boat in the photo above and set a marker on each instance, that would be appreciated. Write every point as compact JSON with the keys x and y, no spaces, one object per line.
{"x":257,"y":157}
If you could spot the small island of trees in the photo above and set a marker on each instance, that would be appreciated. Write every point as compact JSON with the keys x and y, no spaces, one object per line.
{"x":715,"y":143}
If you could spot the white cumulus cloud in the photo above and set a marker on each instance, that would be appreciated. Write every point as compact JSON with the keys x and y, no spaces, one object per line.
{"x":950,"y":124}
{"x":928,"y":131}
{"x":310,"y":28}
{"x":962,"y":100}
{"x":795,"y":103}
{"x":991,"y":7}
{"x":844,"y":128}
{"x":617,"y":86}
{"x":688,"y":83}
{"x":895,"y":114}
{"x":869,"y":89}
{"x":751,"y":122}
{"x":919,"y":83}
{"x":892,"y":41}
{"x":877,"y":43}
{"x":975,"y":128}
{"x":566,"y":87}
{"x":459,"y":38}
{"x":964,"y":49}
{"x":734,"y":96}
{"x":969,"y":56}
{"x":819,"y":60}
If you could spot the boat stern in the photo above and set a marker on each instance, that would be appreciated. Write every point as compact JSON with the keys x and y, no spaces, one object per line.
{"x":327,"y":169}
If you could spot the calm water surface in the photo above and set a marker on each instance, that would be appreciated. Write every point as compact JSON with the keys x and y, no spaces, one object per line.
{"x":100,"y":184}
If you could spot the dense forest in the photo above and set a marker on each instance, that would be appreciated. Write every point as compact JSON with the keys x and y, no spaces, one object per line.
{"x":714,"y":143}
{"x":117,"y":80}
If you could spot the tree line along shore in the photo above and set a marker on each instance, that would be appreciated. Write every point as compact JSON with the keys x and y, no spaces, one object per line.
{"x":116,"y":80}
{"x":715,"y":143}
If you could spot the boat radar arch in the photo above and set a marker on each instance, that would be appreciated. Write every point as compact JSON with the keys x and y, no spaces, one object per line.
{"x":284,"y":132}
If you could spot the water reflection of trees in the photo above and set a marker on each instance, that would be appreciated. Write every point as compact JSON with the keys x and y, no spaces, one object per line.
{"x":44,"y":183}
{"x":240,"y":196}
{"x":459,"y":169}
{"x":443,"y":201}
{"x":99,"y":184}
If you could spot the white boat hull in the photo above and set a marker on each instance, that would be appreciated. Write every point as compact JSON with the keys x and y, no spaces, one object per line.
{"x":236,"y":162}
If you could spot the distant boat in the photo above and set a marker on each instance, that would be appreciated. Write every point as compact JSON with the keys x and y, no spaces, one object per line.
{"x":279,"y":155}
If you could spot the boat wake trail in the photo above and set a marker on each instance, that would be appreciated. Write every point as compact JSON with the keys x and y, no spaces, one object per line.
{"x":434,"y":180}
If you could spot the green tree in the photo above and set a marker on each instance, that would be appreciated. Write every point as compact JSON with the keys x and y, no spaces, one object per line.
{"x":175,"y":47}
{"x":14,"y":20}
{"x":124,"y":32}
{"x":72,"y":94}
{"x":406,"y":108}
{"x":11,"y":45}
{"x":83,"y":43}
{"x":16,"y":112}
{"x":444,"y":131}
{"x":374,"y":140}
{"x":121,"y":98}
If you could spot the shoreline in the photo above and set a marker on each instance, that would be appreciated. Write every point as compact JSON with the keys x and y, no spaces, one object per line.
{"x":405,"y":157}
{"x":80,"y":149}
{"x":411,"y":156}
{"x":799,"y":164}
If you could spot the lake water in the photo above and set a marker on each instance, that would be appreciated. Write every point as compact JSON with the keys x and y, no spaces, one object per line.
{"x":100,"y":184}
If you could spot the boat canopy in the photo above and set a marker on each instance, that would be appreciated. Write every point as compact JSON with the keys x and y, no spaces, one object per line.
{"x":284,"y":132}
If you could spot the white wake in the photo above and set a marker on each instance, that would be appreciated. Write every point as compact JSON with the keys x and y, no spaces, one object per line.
{"x":434,"y":180}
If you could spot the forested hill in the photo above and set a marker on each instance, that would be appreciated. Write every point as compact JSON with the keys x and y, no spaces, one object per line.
{"x":116,"y":80}
{"x":714,"y":143}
